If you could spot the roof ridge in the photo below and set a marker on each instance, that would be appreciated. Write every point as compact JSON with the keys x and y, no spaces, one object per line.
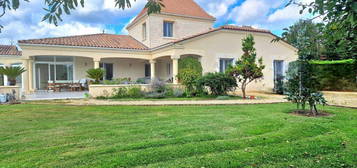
{"x":70,"y":36}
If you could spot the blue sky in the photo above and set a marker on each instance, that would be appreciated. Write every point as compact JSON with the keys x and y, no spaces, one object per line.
{"x":99,"y":15}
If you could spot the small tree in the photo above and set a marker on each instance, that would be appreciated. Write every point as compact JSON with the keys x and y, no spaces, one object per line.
{"x":95,"y":74}
{"x":247,"y":69}
{"x":12,"y":73}
{"x":301,"y":87}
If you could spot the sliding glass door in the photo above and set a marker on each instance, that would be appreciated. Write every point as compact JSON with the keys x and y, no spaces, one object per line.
{"x":52,"y":69}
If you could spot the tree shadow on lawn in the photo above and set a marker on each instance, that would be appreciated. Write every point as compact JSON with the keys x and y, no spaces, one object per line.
{"x":308,"y":113}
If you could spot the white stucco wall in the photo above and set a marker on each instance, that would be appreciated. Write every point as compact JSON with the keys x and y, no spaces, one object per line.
{"x":81,"y":65}
{"x":228,"y":44}
{"x":136,"y":31}
{"x":183,"y":27}
{"x":127,"y":68}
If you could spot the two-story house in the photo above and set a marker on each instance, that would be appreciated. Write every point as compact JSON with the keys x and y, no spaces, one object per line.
{"x":152,"y":49}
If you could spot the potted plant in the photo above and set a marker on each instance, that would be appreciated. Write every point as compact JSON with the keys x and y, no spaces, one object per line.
{"x":12,"y":73}
{"x":95,"y":74}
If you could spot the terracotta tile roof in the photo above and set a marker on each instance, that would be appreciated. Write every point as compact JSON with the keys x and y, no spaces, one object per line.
{"x":180,"y":7}
{"x":9,"y":50}
{"x":225,"y":27}
{"x":92,"y":40}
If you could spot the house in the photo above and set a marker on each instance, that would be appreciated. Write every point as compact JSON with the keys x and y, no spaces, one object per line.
{"x":151,"y":49}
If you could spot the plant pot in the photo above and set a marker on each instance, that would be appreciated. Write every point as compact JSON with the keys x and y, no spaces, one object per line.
{"x":12,"y":82}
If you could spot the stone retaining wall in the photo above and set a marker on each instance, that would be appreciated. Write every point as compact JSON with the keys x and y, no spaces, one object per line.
{"x":107,"y":90}
{"x":9,"y":89}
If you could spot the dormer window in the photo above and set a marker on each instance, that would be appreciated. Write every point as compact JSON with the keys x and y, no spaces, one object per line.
{"x":168,"y":28}
{"x":144,"y":31}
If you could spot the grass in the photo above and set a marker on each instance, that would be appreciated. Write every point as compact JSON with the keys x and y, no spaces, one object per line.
{"x":175,"y":136}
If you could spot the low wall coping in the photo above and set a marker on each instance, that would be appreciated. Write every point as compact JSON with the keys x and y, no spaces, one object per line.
{"x":123,"y":85}
{"x":5,"y":87}
{"x":118,"y":85}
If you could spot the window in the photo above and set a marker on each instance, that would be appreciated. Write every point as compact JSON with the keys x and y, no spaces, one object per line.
{"x":168,"y":29}
{"x":144,"y":31}
{"x":224,"y":63}
{"x":108,"y":70}
{"x":278,"y":69}
{"x":19,"y":78}
{"x":147,"y":70}
{"x":168,"y":67}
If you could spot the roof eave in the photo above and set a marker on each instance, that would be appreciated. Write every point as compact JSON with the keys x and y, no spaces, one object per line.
{"x":84,"y":47}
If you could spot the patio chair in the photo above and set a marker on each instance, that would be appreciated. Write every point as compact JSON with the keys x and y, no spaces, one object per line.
{"x":75,"y":86}
{"x":51,"y":85}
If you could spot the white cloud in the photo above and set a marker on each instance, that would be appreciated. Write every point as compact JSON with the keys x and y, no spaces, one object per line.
{"x":288,"y":13}
{"x":249,"y":12}
{"x":219,"y":8}
{"x":97,"y":15}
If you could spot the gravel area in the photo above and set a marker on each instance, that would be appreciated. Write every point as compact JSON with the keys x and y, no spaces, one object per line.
{"x":262,"y":98}
{"x":345,"y":99}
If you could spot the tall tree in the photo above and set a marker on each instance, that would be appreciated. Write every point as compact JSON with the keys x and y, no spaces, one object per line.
{"x":340,"y":27}
{"x":305,"y":30}
{"x":247,"y":69}
{"x":56,"y":8}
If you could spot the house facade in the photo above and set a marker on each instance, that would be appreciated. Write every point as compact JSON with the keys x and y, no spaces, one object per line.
{"x":152,"y":49}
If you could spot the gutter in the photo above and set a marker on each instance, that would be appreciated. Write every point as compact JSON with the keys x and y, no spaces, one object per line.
{"x":83,"y":47}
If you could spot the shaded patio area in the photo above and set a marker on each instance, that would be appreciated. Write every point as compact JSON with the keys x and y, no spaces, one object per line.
{"x":45,"y":95}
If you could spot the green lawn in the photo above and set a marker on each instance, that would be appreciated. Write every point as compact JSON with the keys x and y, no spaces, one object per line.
{"x":175,"y":136}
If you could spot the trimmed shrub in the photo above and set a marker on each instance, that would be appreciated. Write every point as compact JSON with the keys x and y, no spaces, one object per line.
{"x":177,"y":92}
{"x":188,"y":78}
{"x":134,"y":92}
{"x":336,"y":77}
{"x":217,"y":83}
{"x":169,"y":91}
{"x":223,"y":98}
{"x":120,"y":92}
{"x":155,"y":95}
{"x":189,"y":63}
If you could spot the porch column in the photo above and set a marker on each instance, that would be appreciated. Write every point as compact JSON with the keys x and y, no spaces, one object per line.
{"x":96,"y":63}
{"x":175,"y":69}
{"x":152,"y":69}
{"x":27,"y":76}
{"x":30,"y":74}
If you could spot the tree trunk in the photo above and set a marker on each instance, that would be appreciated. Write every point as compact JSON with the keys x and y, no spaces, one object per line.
{"x":315,"y":109}
{"x":243,"y":91}
{"x":312,"y":110}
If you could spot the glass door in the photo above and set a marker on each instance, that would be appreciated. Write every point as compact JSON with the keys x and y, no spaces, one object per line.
{"x":42,"y":76}
{"x":278,"y":74}
{"x":108,"y":70}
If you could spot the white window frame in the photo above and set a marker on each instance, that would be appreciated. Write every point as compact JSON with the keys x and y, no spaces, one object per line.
{"x":168,"y":69}
{"x":164,"y":28}
{"x":224,"y":56}
{"x":22,"y":75}
{"x":144,"y":31}
{"x":54,"y":62}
